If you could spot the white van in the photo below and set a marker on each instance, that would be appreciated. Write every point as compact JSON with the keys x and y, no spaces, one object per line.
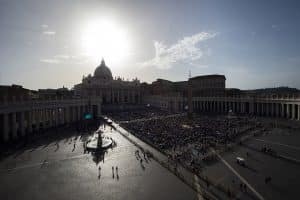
{"x":240,"y":161}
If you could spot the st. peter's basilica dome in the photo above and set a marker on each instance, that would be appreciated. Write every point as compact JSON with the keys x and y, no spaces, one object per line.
{"x":103,"y":72}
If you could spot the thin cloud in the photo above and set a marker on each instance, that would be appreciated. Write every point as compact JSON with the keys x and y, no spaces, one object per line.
{"x":63,"y":57}
{"x":200,"y":66}
{"x":50,"y":33}
{"x":50,"y":61}
{"x":44,"y":26}
{"x":66,"y":59}
{"x":275,"y":27}
{"x":185,"y":50}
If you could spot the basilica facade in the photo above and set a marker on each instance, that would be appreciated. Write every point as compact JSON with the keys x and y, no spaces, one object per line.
{"x":111,"y":93}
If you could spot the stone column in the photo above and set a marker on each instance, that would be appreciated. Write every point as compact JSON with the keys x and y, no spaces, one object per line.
{"x":132,"y":97}
{"x":272,"y":110}
{"x":78,"y":113}
{"x":99,"y":110}
{"x":54,"y":116}
{"x":81,"y":111}
{"x":288,"y":111}
{"x":279,"y":107}
{"x":22,"y":121}
{"x":14,"y":125}
{"x":122,"y":96}
{"x":276,"y":110}
{"x":66,"y":115}
{"x":62,"y":115}
{"x":50,"y":117}
{"x":46,"y":118}
{"x":70,"y":114}
{"x":42,"y":117}
{"x":128,"y":96}
{"x":37,"y":120}
{"x":5,"y":127}
{"x":207,"y":105}
{"x":293,"y":111}
{"x":58,"y":116}
{"x":73,"y":114}
{"x":223,"y":106}
{"x":282,"y":110}
{"x":251,"y":107}
{"x":298,"y":111}
{"x":267,"y":108}
{"x":29,"y":122}
{"x":234,"y":107}
{"x":112,"y":96}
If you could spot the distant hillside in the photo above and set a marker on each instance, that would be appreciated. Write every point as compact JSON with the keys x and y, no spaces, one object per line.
{"x":275,"y":90}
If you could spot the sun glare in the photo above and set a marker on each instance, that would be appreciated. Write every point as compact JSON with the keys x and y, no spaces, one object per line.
{"x":104,"y":38}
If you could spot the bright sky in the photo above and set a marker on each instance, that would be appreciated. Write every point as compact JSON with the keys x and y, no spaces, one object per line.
{"x":53,"y":43}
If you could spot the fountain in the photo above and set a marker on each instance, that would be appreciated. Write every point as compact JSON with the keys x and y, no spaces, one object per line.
{"x":98,"y":143}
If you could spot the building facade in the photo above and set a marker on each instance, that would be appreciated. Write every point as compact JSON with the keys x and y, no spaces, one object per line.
{"x":24,"y":111}
{"x":112,"y":93}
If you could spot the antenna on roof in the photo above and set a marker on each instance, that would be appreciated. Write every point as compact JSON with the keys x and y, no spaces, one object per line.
{"x":190,"y":75}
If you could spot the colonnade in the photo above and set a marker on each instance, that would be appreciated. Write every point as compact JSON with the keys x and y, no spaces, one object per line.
{"x":125,"y":96}
{"x":268,"y":107}
{"x":21,"y":119}
{"x":284,"y":109}
{"x":118,"y":96}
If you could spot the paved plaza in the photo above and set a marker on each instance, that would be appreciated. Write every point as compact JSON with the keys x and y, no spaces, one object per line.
{"x":285,"y":173}
{"x":60,"y":170}
{"x":57,"y":167}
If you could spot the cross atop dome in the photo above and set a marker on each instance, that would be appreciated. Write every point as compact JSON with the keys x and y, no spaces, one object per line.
{"x":102,"y":62}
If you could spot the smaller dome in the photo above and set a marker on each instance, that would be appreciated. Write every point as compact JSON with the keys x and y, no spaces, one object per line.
{"x":103,"y":72}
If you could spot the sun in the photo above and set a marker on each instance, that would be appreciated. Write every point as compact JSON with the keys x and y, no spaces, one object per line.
{"x":104,"y":38}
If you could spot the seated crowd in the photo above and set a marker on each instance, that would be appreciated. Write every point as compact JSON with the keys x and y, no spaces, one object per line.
{"x":183,"y":139}
{"x":138,"y":114}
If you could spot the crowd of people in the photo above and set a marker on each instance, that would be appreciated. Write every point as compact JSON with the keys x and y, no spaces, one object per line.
{"x":187,"y":140}
{"x":138,"y":114}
